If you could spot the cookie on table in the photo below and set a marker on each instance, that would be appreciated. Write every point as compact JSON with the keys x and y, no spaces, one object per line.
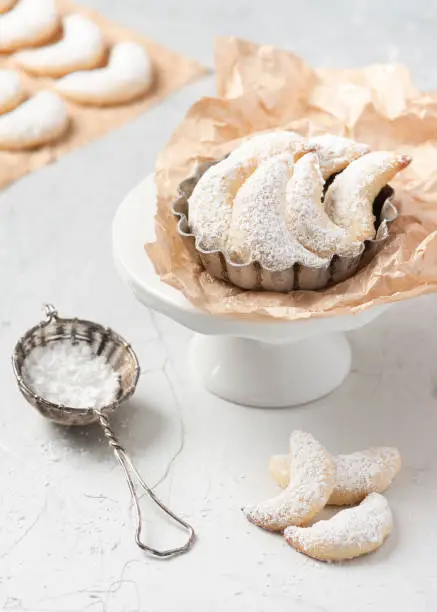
{"x":357,"y":474}
{"x":350,"y":533}
{"x":307,"y":493}
{"x":127,"y":76}
{"x":38,"y":121}
{"x":81,"y":48}
{"x":27,"y":24}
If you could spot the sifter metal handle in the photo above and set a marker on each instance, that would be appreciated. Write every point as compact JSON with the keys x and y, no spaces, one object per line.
{"x":131,"y":474}
{"x":50,"y":312}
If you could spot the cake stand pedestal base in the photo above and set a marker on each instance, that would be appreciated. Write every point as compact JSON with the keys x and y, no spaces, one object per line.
{"x":258,"y":374}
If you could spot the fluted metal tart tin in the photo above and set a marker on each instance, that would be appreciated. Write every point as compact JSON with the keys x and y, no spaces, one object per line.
{"x":252,"y":276}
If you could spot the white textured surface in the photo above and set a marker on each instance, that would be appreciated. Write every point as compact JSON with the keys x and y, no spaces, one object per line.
{"x":65,"y":531}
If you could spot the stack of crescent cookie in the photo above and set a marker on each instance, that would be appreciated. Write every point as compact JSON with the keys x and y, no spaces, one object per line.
{"x":311,"y":479}
{"x":284,"y":212}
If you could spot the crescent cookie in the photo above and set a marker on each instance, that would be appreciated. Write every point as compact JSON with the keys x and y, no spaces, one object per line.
{"x":336,"y":152}
{"x":6,"y":5}
{"x":305,"y":214}
{"x":349,"y":200}
{"x":36,"y":122}
{"x":357,"y":474}
{"x":312,"y":484}
{"x":28,"y":23}
{"x":81,"y":48}
{"x":265,"y":145}
{"x":11,"y":92}
{"x":258,"y":212}
{"x":127,"y":76}
{"x":212,"y":201}
{"x":350,"y":533}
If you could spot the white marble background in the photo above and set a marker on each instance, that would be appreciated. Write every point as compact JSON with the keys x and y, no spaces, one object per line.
{"x":65,"y":528}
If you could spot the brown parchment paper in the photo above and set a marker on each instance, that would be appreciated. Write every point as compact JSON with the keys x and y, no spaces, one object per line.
{"x":261,"y":88}
{"x":171,"y":71}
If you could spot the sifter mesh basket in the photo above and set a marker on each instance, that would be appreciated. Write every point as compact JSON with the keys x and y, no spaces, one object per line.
{"x":102,"y":340}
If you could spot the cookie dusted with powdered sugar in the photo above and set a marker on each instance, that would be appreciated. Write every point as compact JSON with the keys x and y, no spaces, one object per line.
{"x":357,"y":474}
{"x":127,"y":76}
{"x":212,"y":201}
{"x":349,"y":200}
{"x":81,"y":48}
{"x":336,"y":152}
{"x":350,"y":533}
{"x":259,"y":231}
{"x":38,"y":121}
{"x":268,"y":144}
{"x":308,"y":492}
{"x":28,"y":23}
{"x":211,"y":204}
{"x":306,"y":217}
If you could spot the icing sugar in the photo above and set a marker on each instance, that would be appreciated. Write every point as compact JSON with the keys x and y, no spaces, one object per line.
{"x":306,"y":217}
{"x":81,"y":46}
{"x":28,"y":22}
{"x":350,"y":533}
{"x":312,"y":484}
{"x":71,"y":375}
{"x":10,"y":90}
{"x":37,"y":120}
{"x":127,"y":75}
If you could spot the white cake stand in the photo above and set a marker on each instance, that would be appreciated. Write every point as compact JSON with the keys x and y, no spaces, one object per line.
{"x":253,"y":363}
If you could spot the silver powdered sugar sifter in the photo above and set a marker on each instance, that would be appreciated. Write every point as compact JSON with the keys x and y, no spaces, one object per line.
{"x":120,"y":355}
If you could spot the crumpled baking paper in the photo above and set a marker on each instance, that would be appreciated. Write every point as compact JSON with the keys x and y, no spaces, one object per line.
{"x":260,"y":88}
{"x":87,"y":123}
